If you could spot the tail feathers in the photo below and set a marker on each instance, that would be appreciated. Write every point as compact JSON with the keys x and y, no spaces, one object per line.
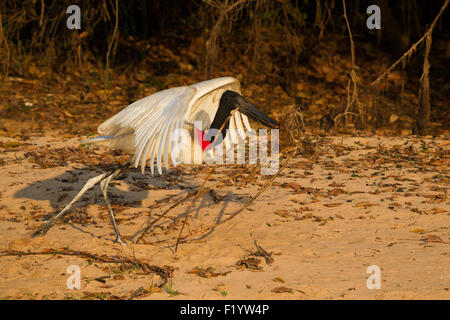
{"x":99,"y":139}
{"x":124,"y":142}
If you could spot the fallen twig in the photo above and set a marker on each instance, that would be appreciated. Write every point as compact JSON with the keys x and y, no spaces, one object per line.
{"x":254,"y":197}
{"x":165,"y":272}
{"x":260,"y":252}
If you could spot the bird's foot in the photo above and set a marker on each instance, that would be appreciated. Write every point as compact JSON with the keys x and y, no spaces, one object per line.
{"x":119,"y":240}
{"x":41,"y":230}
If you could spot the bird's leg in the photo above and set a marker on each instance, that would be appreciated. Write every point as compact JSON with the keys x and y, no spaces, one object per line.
{"x":104,"y":186}
{"x":89,"y":184}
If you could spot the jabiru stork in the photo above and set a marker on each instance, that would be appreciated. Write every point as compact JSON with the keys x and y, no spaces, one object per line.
{"x":144,"y":129}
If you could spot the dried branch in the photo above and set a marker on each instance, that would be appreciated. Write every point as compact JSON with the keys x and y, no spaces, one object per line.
{"x":354,"y":80}
{"x":257,"y":194}
{"x":111,"y":43}
{"x":173,"y":206}
{"x":4,"y":40}
{"x":226,"y":9}
{"x":165,"y":272}
{"x":413,"y":48}
{"x":423,"y":115}
{"x":191,"y":206}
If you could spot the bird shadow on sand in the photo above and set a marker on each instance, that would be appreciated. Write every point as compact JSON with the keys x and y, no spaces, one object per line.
{"x":205,"y":201}
{"x":60,"y":190}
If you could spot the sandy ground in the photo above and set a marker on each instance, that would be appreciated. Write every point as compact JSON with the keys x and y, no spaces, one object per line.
{"x":360,"y":201}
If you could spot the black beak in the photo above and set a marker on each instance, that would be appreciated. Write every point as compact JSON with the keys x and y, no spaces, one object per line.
{"x":252,"y":111}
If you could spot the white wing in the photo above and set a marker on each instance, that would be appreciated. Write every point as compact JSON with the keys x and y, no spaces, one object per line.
{"x":149,"y":124}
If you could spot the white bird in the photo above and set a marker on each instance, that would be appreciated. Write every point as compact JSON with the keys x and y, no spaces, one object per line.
{"x":145,"y":130}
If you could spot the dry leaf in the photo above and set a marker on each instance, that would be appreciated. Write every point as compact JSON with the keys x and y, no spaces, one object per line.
{"x":295,"y":186}
{"x":220,"y":287}
{"x":249,"y":263}
{"x":364,"y":204}
{"x":336,"y":192}
{"x":207,"y":273}
{"x":278,"y":279}
{"x":432,"y":238}
{"x":283,"y":213}
{"x":332,"y":205}
{"x":282,"y":290}
{"x":437,"y":210}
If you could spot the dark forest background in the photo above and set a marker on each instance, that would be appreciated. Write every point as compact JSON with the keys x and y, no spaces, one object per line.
{"x":293,"y":57}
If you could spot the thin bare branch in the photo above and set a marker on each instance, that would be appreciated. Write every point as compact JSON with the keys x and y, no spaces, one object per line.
{"x":413,"y":48}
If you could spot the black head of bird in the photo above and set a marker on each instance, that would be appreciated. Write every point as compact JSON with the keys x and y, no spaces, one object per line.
{"x":230,"y":101}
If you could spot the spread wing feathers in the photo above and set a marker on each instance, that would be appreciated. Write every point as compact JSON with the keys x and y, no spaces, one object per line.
{"x":145,"y":127}
{"x":149,"y":124}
